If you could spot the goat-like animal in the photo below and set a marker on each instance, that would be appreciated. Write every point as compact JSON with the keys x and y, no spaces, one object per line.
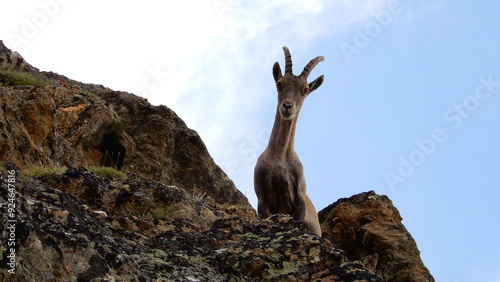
{"x":279,"y":177}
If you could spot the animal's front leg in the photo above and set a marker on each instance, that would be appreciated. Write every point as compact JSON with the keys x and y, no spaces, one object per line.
{"x":300,"y":208}
{"x":263,"y":209}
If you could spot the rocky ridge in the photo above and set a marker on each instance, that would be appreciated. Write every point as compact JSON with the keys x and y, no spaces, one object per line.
{"x":175,"y":215}
{"x":93,"y":228}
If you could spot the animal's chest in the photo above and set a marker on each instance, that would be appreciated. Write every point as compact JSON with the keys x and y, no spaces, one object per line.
{"x":282,"y":183}
{"x":283,"y":178}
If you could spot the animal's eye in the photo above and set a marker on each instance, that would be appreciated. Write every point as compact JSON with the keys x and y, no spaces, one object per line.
{"x":278,"y":85}
{"x":306,"y":91}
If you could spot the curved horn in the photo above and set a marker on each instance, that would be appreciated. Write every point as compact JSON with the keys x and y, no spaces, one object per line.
{"x":288,"y":60}
{"x":311,"y":65}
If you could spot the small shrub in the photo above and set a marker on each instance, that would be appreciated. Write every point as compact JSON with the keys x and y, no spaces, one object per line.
{"x":17,"y":78}
{"x":198,"y":196}
{"x":244,"y":207}
{"x":159,"y":213}
{"x":108,"y":172}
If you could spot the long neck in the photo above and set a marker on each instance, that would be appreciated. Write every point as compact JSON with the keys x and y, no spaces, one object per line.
{"x":282,"y":137}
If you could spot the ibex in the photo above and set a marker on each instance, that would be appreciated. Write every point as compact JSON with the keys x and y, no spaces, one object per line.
{"x":279,"y":177}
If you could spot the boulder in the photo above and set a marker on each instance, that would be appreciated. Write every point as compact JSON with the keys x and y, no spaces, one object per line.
{"x":368,"y":228}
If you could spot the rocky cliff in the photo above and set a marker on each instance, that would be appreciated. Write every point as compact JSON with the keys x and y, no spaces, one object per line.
{"x":99,"y":185}
{"x":60,"y":122}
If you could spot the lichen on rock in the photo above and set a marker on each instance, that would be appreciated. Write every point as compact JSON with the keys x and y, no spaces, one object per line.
{"x":61,"y":238}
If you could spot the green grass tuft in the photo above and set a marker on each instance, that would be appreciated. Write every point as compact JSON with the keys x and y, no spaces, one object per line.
{"x":41,"y":171}
{"x":108,"y":172}
{"x":17,"y":78}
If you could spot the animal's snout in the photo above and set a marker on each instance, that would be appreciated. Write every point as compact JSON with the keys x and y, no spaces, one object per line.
{"x":287,"y":106}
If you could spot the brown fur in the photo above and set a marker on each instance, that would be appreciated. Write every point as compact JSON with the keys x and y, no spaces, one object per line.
{"x":279,"y":178}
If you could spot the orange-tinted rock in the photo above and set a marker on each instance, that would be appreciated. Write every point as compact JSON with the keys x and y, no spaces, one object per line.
{"x":368,"y":228}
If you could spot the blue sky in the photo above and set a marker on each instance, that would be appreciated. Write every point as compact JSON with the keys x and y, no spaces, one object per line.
{"x":408,"y":107}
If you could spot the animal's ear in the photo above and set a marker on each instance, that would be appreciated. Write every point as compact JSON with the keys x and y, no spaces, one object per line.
{"x":277,"y":72}
{"x":316,"y":83}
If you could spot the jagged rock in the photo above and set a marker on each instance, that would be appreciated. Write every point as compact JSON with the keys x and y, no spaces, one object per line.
{"x":39,"y":127}
{"x":368,"y":227}
{"x":14,"y":61}
{"x":168,"y":150}
{"x":183,"y":238}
